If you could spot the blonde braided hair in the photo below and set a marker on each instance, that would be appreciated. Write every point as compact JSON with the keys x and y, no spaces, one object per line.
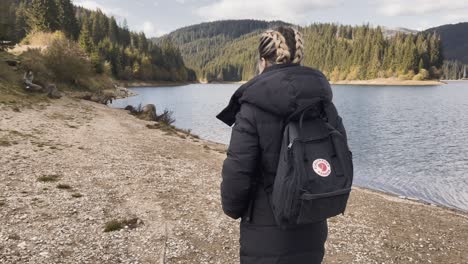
{"x":277,"y":40}
{"x":299,"y":55}
{"x":273,"y":46}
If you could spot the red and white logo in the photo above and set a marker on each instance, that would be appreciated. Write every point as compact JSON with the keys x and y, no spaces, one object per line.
{"x":321,"y":167}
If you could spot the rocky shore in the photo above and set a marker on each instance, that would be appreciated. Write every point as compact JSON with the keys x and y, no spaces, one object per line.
{"x":83,"y":183}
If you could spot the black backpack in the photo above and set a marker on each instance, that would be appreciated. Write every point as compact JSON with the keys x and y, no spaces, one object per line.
{"x":315,"y":169}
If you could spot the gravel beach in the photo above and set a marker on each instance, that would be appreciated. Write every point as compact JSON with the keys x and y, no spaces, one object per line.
{"x":71,"y":170}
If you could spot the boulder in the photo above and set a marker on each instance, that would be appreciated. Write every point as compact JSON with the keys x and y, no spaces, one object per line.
{"x":149,"y":113}
{"x":102,"y":98}
{"x":130,"y":108}
{"x":53,"y":92}
{"x":121,"y":92}
{"x":31,"y":87}
{"x":12,"y":63}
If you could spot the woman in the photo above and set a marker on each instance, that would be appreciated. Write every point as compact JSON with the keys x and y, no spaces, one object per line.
{"x":258,"y":109}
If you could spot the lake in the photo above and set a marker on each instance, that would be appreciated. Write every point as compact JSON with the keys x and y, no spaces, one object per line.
{"x":407,"y":140}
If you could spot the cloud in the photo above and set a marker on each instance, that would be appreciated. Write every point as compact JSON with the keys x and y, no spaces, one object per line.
{"x":112,"y":11}
{"x":420,"y":7}
{"x":150,"y":30}
{"x":296,"y":11}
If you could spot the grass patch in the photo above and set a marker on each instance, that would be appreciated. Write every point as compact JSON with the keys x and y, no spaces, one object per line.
{"x":14,"y":237}
{"x":115,"y":225}
{"x":49,"y":178}
{"x":12,"y":92}
{"x":4,"y":143}
{"x":64,"y":186}
{"x":171,"y":130}
{"x":77,"y":195}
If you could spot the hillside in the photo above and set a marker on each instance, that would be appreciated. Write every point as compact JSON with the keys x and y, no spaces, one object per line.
{"x":226,"y":50}
{"x":454,"y":41}
{"x":111,"y":46}
{"x":202,"y":44}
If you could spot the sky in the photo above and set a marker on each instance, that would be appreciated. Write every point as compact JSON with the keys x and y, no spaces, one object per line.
{"x":159,"y":17}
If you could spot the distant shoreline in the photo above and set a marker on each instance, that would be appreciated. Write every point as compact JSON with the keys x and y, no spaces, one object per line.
{"x":376,"y":82}
{"x":131,"y":84}
{"x":389,"y":82}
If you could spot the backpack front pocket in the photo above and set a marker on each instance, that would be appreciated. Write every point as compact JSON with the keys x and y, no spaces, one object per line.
{"x":317,"y":207}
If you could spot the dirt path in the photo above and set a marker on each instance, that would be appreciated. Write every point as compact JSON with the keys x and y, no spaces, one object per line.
{"x":70,"y":167}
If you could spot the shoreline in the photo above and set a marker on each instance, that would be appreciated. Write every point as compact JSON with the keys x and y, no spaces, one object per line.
{"x":388,"y":82}
{"x":109,"y":165}
{"x":134,"y":84}
{"x":403,"y":199}
{"x":372,"y":82}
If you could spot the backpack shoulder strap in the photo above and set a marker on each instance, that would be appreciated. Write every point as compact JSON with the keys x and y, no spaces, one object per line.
{"x":334,"y":119}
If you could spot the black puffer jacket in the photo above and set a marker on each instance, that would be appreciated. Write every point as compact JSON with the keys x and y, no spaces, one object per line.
{"x":258,"y":108}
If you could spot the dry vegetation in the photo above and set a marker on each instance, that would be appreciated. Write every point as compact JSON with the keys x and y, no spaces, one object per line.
{"x":53,"y":59}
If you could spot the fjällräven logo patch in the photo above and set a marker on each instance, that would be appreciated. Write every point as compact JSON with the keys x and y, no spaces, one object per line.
{"x":321,"y":167}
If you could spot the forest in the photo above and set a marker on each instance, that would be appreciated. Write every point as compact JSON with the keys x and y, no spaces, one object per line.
{"x":226,"y":50}
{"x":342,"y":52}
{"x":111,"y":46}
{"x":454,"y":47}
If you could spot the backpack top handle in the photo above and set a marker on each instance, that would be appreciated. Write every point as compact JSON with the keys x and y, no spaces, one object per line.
{"x":314,"y":105}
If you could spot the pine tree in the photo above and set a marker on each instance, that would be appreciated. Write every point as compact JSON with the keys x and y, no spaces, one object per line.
{"x":435,"y":53}
{"x":7,"y":20}
{"x":43,"y":16}
{"x":113,"y":30}
{"x":21,"y":23}
{"x":85,"y":40}
{"x":67,"y":20}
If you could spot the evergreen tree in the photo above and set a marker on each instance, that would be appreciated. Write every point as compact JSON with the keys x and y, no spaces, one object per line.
{"x":43,"y":15}
{"x":113,"y":30}
{"x":435,"y":54}
{"x":67,"y":20}
{"x":85,"y":39}
{"x":21,"y":24}
{"x":7,"y":20}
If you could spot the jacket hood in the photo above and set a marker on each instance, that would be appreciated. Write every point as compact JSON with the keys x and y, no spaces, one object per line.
{"x":282,"y":89}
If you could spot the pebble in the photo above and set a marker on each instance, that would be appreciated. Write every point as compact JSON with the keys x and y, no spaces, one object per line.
{"x":22,"y":245}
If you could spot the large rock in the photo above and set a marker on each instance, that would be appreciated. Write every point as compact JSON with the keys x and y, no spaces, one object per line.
{"x":130,"y":108}
{"x":121,"y":92}
{"x":53,"y":92}
{"x":12,"y":63}
{"x":148,"y":113}
{"x":32,"y":87}
{"x":102,"y":98}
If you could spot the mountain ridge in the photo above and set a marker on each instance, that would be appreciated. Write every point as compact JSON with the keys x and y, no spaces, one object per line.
{"x":454,"y":40}
{"x":226,"y":50}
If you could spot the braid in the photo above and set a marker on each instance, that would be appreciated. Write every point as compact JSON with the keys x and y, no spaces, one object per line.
{"x":274,"y":41}
{"x":282,"y":49}
{"x":299,"y":47}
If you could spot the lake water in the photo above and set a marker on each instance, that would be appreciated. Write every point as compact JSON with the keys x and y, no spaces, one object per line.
{"x":410,"y":141}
